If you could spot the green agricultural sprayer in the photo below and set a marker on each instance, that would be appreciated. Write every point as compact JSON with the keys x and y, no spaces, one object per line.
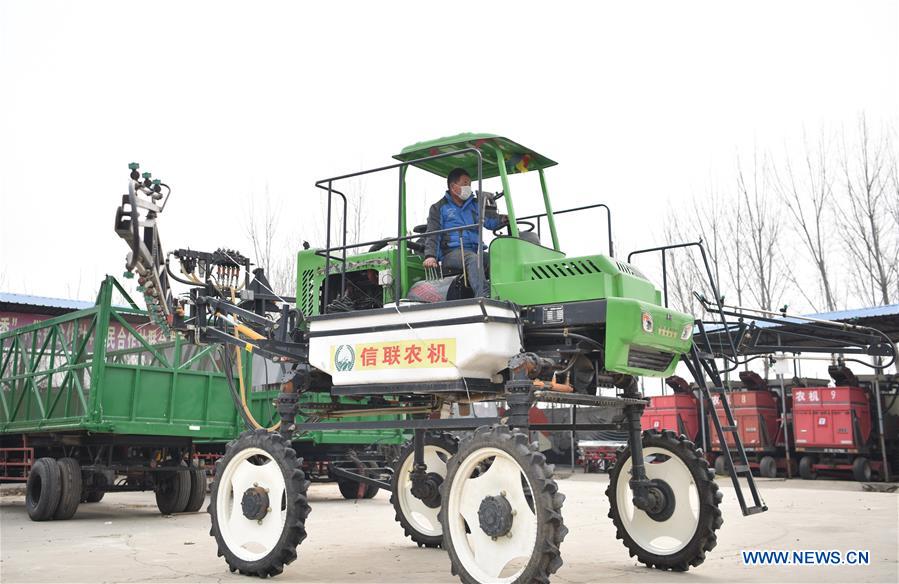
{"x":373,"y":324}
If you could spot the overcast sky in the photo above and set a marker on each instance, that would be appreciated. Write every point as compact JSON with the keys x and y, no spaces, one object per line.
{"x":642,"y":104}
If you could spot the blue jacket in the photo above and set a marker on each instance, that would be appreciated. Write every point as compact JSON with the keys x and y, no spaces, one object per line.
{"x":445,"y":214}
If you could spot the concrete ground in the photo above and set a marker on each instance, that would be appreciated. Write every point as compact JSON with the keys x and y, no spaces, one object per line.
{"x":124,"y":539}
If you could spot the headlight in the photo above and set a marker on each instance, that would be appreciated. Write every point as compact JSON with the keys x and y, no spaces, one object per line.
{"x":687,"y":332}
{"x":647,"y":322}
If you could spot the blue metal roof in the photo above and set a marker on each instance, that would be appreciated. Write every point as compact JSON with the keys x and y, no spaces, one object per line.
{"x":888,"y":310}
{"x":44,"y":301}
{"x":838,"y":315}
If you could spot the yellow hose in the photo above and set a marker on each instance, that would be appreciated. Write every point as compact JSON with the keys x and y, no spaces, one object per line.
{"x":243,"y":391}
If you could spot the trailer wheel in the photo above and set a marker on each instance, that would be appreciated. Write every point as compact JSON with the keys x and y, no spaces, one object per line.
{"x":768,"y":467}
{"x":43,"y":489}
{"x":70,"y":488}
{"x":501,"y":511}
{"x":679,"y":535}
{"x":197,"y":490}
{"x":172,"y":491}
{"x":258,"y":504}
{"x":350,"y":489}
{"x":861,"y":469}
{"x":92,"y":496}
{"x":721,"y":465}
{"x":807,"y":469}
{"x":418,"y":517}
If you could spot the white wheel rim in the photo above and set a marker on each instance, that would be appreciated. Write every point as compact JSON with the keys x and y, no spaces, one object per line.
{"x":421,"y":517}
{"x":484,"y":558}
{"x":249,"y":539}
{"x":660,"y":537}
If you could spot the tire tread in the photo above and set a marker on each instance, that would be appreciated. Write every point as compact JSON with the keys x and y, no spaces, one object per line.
{"x":710,"y":519}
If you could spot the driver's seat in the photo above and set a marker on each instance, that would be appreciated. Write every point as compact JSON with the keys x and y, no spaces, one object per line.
{"x":530,"y":236}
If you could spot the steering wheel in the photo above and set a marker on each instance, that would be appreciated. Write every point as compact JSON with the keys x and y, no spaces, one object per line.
{"x":530,"y":227}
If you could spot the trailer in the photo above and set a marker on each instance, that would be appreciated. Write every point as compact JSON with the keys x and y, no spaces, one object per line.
{"x":88,"y":408}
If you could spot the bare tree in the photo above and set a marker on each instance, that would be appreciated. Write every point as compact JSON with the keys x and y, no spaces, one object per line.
{"x":732,"y":252}
{"x":283,"y":277}
{"x":711,"y":217}
{"x":269,"y":249}
{"x":807,"y":194}
{"x":682,"y":277}
{"x":73,"y":289}
{"x":759,"y":224}
{"x":261,"y":227}
{"x":893,"y":199}
{"x":872,"y":245}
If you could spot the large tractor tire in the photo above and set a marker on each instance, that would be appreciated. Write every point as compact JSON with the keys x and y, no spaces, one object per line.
{"x":43,"y":489}
{"x":679,"y":535}
{"x":258,"y":504}
{"x":173,"y":490}
{"x":501,"y":510}
{"x":420,"y":518}
{"x":70,"y":488}
{"x":197,"y":494}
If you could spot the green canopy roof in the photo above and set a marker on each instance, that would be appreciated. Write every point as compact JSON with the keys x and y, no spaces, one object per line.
{"x":517,"y":158}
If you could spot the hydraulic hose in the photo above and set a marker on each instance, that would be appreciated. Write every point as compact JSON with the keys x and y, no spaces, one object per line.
{"x":235,"y":396}
{"x":240,"y":400}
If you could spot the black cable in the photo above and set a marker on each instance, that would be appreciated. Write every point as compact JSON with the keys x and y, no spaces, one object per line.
{"x":171,"y":274}
{"x":566,"y":335}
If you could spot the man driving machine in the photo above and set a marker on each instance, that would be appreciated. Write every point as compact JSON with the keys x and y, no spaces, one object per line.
{"x":457,"y":250}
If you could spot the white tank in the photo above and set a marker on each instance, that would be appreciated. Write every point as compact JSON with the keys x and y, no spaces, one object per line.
{"x":415,"y":343}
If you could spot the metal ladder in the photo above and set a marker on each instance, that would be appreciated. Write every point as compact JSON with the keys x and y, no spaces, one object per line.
{"x":701,"y":364}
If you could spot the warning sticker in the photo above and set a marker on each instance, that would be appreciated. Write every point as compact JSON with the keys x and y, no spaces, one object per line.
{"x":428,"y":353}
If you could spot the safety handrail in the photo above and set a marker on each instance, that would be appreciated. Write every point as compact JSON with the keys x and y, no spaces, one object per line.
{"x":327,"y":184}
{"x":712,"y":283}
{"x":539,"y":216}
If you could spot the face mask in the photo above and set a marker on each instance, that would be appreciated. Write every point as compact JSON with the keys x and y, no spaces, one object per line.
{"x":464,"y":192}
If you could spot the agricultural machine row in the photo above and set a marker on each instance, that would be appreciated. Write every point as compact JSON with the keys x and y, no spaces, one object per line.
{"x":849,"y":428}
{"x":378,"y":340}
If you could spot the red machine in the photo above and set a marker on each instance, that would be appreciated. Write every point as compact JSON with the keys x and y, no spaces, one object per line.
{"x":834,"y":429}
{"x":679,"y":412}
{"x":757,"y":413}
{"x":597,"y":455}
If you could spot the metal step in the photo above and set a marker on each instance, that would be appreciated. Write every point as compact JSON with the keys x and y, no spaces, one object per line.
{"x":756,"y":509}
{"x":729,"y":428}
{"x":742,"y":468}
